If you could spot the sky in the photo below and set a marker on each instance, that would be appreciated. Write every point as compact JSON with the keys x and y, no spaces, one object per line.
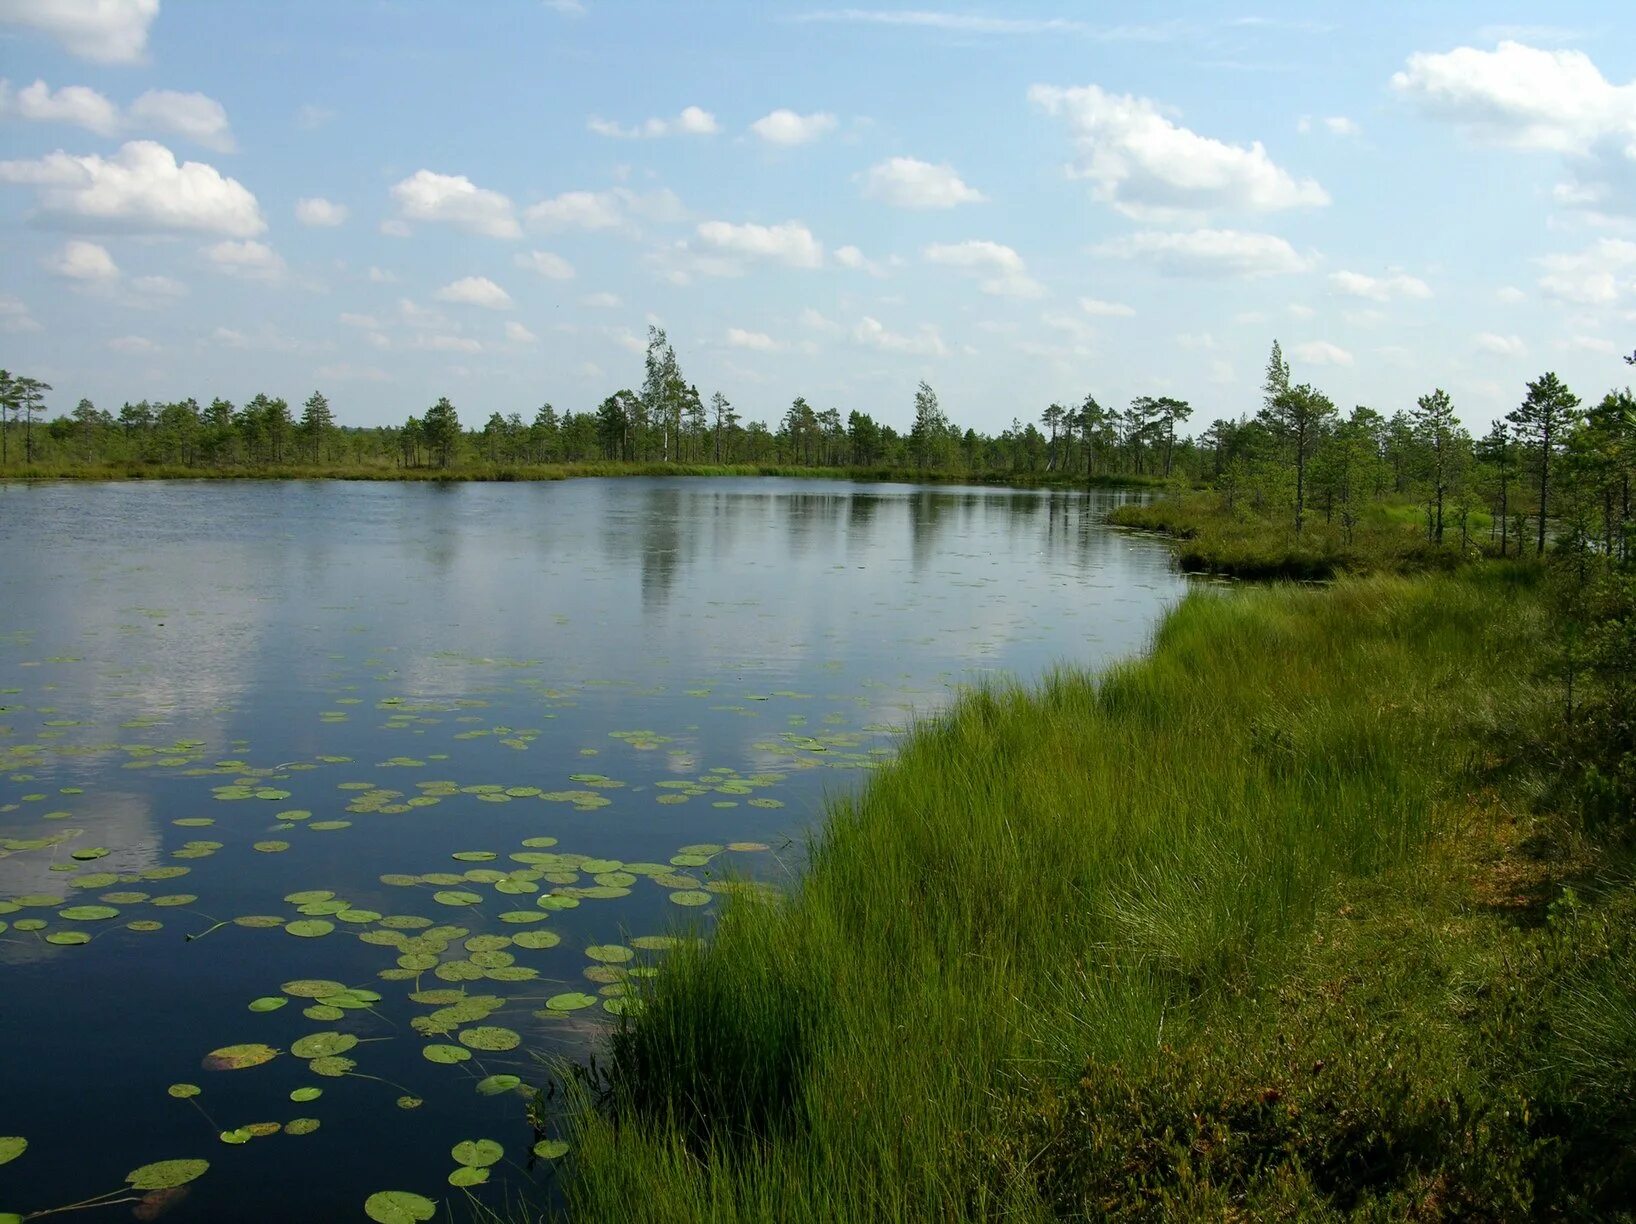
{"x":396,"y":200}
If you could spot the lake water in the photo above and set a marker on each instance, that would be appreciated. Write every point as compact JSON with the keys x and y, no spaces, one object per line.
{"x":355,"y":734}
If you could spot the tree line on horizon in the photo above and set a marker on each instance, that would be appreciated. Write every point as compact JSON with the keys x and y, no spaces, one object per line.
{"x":1297,"y":455}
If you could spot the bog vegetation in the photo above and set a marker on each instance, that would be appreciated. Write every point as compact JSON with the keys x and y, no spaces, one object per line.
{"x":1321,"y":911}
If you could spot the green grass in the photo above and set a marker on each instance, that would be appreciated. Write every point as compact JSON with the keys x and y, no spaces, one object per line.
{"x":1390,"y":537}
{"x":492,"y":472}
{"x":1209,"y":935}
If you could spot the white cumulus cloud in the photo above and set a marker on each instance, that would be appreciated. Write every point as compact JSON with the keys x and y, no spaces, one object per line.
{"x":1500,"y":346}
{"x":693,"y":121}
{"x":1321,"y":352}
{"x":201,"y":119}
{"x":1000,"y":270}
{"x":789,"y":242}
{"x":250,"y":259}
{"x":760,"y":342}
{"x":76,"y":104}
{"x":618,"y":208}
{"x":317,"y":211}
{"x":193,"y":115}
{"x":1379,"y":288}
{"x":453,"y":199}
{"x":925,"y":342}
{"x":852,"y":257}
{"x":475,"y":291}
{"x":1208,"y":253}
{"x":518,"y":334}
{"x":1147,"y":166}
{"x":1599,"y":275}
{"x":548,"y":265}
{"x":140,"y":188}
{"x":1111,"y":310}
{"x":1521,"y":97}
{"x":786,"y":127}
{"x":108,"y":31}
{"x":84,"y":261}
{"x":908,"y":182}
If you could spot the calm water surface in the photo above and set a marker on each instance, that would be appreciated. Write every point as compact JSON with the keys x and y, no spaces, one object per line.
{"x":372,"y":699}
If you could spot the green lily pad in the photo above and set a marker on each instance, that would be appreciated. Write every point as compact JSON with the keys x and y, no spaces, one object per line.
{"x":301,"y":1126}
{"x":236,"y":1136}
{"x":456,"y":897}
{"x":311,"y":928}
{"x":323,"y":1045}
{"x":67,"y":938}
{"x":445,"y":1053}
{"x":465,"y":1176}
{"x":183,"y":1091}
{"x":398,"y":1207}
{"x":270,"y":847}
{"x":311,"y":894}
{"x":409,"y":1102}
{"x":331,"y":1066}
{"x":551,"y":1149}
{"x":477,"y":1153}
{"x":612,"y":954}
{"x":144,"y":924}
{"x":302,"y":1095}
{"x":495,"y":1085}
{"x":690,"y":897}
{"x":537,"y":940}
{"x":268,"y":1003}
{"x":312,"y":988}
{"x":167,"y":1174}
{"x":174,"y":899}
{"x":88,"y":913}
{"x":11,"y":1147}
{"x":239,"y":1057}
{"x":489,"y":1037}
{"x":573,"y":1000}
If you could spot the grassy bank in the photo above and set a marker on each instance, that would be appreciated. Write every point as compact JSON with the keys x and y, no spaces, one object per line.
{"x":487,"y":472}
{"x":1251,"y":927}
{"x":1210,"y":537}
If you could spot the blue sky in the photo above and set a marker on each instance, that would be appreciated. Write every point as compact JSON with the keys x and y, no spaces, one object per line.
{"x":393,"y":201}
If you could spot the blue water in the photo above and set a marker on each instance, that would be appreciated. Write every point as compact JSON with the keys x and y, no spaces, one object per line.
{"x":755,"y":644}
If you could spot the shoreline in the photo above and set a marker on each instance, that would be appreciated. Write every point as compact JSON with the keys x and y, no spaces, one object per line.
{"x":486,"y":474}
{"x":1121,"y":944}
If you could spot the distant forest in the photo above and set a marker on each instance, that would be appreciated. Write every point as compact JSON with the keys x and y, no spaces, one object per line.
{"x":1298,"y":452}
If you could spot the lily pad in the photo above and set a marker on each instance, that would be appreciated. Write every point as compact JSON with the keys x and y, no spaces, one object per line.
{"x":573,"y":1000}
{"x":302,"y":1095}
{"x":312,"y":988}
{"x":489,"y":1037}
{"x":167,"y":1174}
{"x":301,"y":1126}
{"x":268,"y":1003}
{"x":237,"y":1058}
{"x":477,"y":1153}
{"x":456,"y":897}
{"x":465,"y":1176}
{"x":332,"y":1066}
{"x":445,"y":1053}
{"x":183,"y":1091}
{"x":323,"y":1045}
{"x":612,"y":954}
{"x":11,"y":1147}
{"x":551,"y":1149}
{"x":495,"y":1085}
{"x":313,"y":928}
{"x":690,"y":897}
{"x":398,"y":1207}
{"x":67,"y":938}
